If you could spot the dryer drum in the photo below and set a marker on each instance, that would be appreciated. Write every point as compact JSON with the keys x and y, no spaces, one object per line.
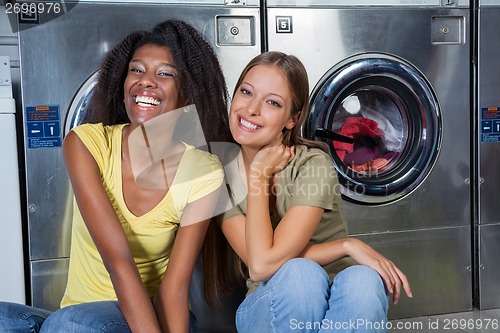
{"x":391,"y":113}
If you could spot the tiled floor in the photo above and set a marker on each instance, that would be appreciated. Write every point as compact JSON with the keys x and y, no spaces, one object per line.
{"x":484,"y":321}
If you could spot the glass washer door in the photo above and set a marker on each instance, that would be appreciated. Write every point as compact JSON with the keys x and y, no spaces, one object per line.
{"x":78,"y":106}
{"x":382,"y":122}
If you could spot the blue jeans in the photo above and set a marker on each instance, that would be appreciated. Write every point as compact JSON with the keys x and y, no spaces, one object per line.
{"x":299,"y":298}
{"x":95,"y":317}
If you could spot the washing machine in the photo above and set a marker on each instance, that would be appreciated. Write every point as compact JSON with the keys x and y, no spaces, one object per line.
{"x":61,"y":50}
{"x":488,"y":151}
{"x":390,"y":94}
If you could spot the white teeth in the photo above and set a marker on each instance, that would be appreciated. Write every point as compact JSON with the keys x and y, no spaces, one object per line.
{"x":146,"y":101}
{"x":248,"y":125}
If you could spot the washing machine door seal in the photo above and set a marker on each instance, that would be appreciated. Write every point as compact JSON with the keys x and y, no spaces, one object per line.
{"x":382,"y":121}
{"x":78,"y":107}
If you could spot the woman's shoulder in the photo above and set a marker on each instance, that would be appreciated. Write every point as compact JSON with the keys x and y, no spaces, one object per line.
{"x":307,"y":155}
{"x":98,"y":129}
{"x":100,"y":139}
{"x":309,"y":163}
{"x":201,"y":160}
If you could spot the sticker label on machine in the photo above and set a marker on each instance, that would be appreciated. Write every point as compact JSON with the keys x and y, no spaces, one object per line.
{"x":490,"y":124}
{"x":43,"y":126}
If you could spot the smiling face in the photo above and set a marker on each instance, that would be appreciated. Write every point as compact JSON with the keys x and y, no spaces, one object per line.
{"x":261,"y":107}
{"x":151,"y":87}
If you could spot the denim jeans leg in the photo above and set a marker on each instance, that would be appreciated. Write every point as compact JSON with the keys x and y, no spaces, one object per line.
{"x":291,"y":301}
{"x":94,"y":317}
{"x":358,"y":302}
{"x":193,"y":323}
{"x":20,"y":318}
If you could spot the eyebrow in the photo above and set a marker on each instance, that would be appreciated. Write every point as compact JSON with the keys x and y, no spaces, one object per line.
{"x":163,"y":63}
{"x":277,"y":95}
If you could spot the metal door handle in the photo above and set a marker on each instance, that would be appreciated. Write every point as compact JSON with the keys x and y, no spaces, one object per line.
{"x":327,"y":134}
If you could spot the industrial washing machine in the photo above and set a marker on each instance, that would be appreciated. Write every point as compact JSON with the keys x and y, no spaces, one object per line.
{"x":488,"y":152}
{"x":390,"y":94}
{"x":60,"y":54}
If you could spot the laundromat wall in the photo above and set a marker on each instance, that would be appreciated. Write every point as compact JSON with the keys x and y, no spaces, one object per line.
{"x":471,"y":277}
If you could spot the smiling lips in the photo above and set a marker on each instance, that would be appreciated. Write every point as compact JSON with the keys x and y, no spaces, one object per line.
{"x":248,"y":125}
{"x":146,"y":101}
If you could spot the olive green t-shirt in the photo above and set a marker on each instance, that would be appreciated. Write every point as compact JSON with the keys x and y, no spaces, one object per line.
{"x":310,"y":179}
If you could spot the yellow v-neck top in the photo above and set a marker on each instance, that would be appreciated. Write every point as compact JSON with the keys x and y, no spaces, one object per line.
{"x":150,"y":236}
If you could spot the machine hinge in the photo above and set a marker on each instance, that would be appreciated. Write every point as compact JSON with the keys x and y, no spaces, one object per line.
{"x":235,"y":3}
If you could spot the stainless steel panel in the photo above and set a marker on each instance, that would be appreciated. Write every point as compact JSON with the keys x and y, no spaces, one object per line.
{"x":489,"y":96}
{"x":488,"y":158}
{"x":48,"y":282}
{"x":489,"y":270}
{"x":437,"y":263}
{"x":488,"y":3}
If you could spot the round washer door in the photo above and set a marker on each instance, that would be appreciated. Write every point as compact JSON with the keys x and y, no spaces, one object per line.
{"x":78,"y":107}
{"x":382,"y":122}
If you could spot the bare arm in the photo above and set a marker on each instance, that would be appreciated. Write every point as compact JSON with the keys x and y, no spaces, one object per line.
{"x":285,"y":243}
{"x":171,"y":304}
{"x":268,"y":250}
{"x":328,"y":252}
{"x":101,"y":221}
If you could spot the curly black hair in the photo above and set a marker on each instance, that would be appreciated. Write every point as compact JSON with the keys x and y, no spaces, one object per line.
{"x":201,"y":79}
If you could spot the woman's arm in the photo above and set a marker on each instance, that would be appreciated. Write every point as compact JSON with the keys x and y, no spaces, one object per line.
{"x":328,"y":252}
{"x":108,"y":236}
{"x":288,"y":240}
{"x":172,"y":301}
{"x":267,"y":249}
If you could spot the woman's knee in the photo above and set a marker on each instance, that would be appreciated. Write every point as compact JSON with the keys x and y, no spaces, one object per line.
{"x":302,"y":273}
{"x":96,"y":317}
{"x":297,"y":291}
{"x":19,"y":317}
{"x":303,"y":283}
{"x":364,"y":283}
{"x":363,"y":277}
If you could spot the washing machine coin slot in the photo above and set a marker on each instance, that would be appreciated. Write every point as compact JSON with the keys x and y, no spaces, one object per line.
{"x":448,"y":30}
{"x":235,"y":30}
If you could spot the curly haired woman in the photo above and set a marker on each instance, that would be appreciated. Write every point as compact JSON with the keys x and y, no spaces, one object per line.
{"x":134,"y":247}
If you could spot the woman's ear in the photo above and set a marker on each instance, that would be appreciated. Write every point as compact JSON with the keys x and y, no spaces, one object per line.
{"x":293,"y":121}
